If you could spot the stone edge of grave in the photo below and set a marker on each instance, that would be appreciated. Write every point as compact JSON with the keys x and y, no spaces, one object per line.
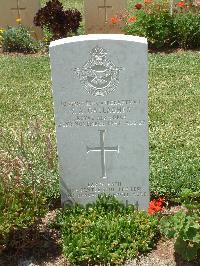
{"x":96,"y":37}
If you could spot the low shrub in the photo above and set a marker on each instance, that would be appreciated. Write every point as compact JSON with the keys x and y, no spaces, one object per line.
{"x":18,"y":39}
{"x":190,"y":200}
{"x":184,"y":226}
{"x":186,"y":230}
{"x":162,"y":28}
{"x":22,"y":201}
{"x":61,"y":23}
{"x":187,"y":29}
{"x":151,"y":20}
{"x":27,"y":184}
{"x":106,"y":232}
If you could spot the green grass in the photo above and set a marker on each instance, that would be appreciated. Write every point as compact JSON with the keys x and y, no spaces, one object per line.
{"x":27,"y":122}
{"x":79,"y":4}
{"x":28,"y":160}
{"x":174,"y":99}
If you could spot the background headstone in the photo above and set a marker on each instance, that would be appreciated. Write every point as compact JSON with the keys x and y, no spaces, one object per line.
{"x":98,"y":15}
{"x":11,"y":10}
{"x":100,"y":101}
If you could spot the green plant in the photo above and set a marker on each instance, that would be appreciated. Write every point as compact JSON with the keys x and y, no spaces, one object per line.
{"x":106,"y":232}
{"x":186,"y":230}
{"x":185,"y":226}
{"x":173,"y":116}
{"x":18,"y":39}
{"x":162,"y":27}
{"x":152,"y":20}
{"x":26,"y":190}
{"x":190,"y":199}
{"x":187,"y":29}
{"x":22,"y":200}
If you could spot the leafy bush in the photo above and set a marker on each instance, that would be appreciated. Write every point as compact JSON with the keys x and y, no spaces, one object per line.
{"x":187,"y":29}
{"x":18,"y":39}
{"x":162,"y":28}
{"x":185,"y":226}
{"x":22,"y":201}
{"x":25,"y":191}
{"x":153,"y":21}
{"x":186,"y":230}
{"x":190,"y":199}
{"x":61,"y":23}
{"x":106,"y":232}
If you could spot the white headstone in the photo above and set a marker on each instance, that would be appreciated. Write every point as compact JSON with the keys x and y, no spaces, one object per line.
{"x":100,"y":102}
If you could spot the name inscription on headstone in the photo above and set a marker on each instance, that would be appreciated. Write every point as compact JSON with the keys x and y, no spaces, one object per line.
{"x":99,"y":114}
{"x":100,"y":102}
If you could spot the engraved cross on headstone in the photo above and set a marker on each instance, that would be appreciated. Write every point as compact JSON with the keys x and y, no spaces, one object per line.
{"x":102,"y":148}
{"x":18,"y":8}
{"x":105,"y":7}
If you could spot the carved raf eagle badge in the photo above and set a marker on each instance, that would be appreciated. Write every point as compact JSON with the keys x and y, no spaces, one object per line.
{"x":99,"y":76}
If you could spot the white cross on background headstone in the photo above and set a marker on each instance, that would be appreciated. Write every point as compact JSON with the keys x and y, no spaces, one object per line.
{"x":102,"y":148}
{"x":18,"y":9}
{"x":98,"y":14}
{"x":105,"y":7}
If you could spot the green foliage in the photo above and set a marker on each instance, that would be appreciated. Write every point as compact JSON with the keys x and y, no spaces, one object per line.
{"x":28,"y":135}
{"x":190,"y":199}
{"x":18,"y":39}
{"x":187,"y":29}
{"x":156,"y":24}
{"x":153,"y":20}
{"x":25,"y":190}
{"x":186,"y":230}
{"x":105,"y":232}
{"x":21,"y":204}
{"x":185,"y":226}
{"x":28,"y":161}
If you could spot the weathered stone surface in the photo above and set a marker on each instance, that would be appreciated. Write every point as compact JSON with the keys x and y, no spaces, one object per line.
{"x":11,"y":10}
{"x":98,"y":15}
{"x":100,"y":101}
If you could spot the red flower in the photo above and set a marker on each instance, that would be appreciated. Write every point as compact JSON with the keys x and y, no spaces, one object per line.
{"x":138,"y":6}
{"x":133,"y":19}
{"x":114,"y":20}
{"x":180,"y":4}
{"x":156,"y":205}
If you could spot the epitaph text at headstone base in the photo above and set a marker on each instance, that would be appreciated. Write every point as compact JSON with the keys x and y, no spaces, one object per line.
{"x":100,"y":102}
{"x":98,"y":16}
{"x":15,"y":12}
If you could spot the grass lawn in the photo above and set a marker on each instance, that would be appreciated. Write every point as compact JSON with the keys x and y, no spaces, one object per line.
{"x":79,"y":4}
{"x":27,"y":123}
